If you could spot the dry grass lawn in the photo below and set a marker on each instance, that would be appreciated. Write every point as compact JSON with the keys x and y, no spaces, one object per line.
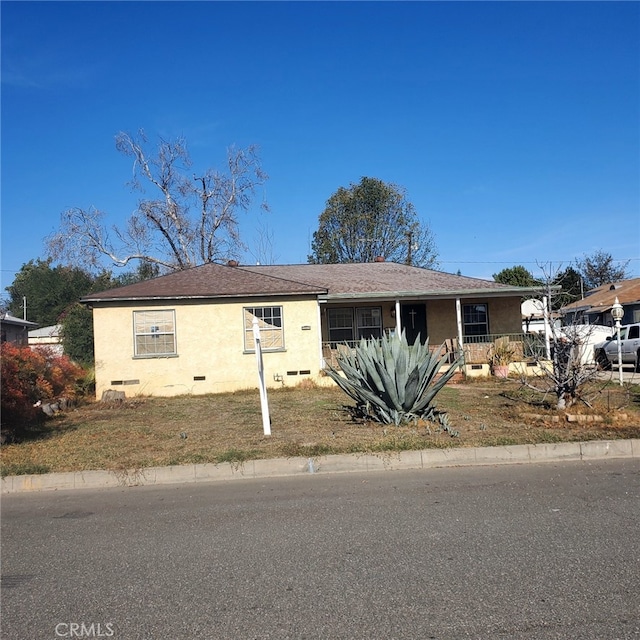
{"x":311,"y":421}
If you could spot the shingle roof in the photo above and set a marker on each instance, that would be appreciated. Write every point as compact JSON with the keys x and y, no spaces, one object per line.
{"x":324,"y":280}
{"x":207,"y":281}
{"x":379,"y":278}
{"x":601,"y":298}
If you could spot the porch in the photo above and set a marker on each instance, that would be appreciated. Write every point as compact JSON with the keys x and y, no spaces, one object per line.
{"x":527,"y":347}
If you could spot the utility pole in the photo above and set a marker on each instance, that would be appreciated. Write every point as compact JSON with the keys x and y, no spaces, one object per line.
{"x":409,"y":235}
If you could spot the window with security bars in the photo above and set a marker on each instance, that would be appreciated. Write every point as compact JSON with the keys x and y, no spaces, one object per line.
{"x":154,"y":333}
{"x":475,"y":320}
{"x":270,"y":325}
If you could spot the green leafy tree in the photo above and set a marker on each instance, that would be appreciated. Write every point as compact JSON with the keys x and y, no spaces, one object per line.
{"x":144,"y":271}
{"x":517,"y":276}
{"x":571,"y":283}
{"x":53,"y":297}
{"x":77,"y":333}
{"x":600,"y":268}
{"x":368,"y":220}
{"x":48,"y":290}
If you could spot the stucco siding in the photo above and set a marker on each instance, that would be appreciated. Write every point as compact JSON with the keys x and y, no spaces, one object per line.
{"x":505,"y":315}
{"x":211,"y":355}
{"x":441,"y":321}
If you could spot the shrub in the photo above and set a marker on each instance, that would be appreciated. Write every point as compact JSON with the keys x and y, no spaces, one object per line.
{"x":77,"y":333}
{"x":33,"y":375}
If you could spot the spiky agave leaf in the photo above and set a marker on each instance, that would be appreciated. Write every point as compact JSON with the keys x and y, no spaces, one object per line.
{"x":392,"y":380}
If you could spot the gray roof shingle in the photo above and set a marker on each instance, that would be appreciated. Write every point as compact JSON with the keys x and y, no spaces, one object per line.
{"x":379,"y":278}
{"x":324,"y":280}
{"x":207,"y":281}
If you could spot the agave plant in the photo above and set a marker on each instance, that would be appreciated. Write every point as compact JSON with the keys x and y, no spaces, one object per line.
{"x":392,"y":381}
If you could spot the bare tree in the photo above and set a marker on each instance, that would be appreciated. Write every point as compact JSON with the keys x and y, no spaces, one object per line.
{"x":193,"y":219}
{"x":263,"y":245}
{"x":570,"y":366}
{"x":600,"y":268}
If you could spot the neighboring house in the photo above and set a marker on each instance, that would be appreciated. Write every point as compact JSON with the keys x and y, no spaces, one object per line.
{"x":191,"y":331}
{"x":47,"y":337}
{"x":533,"y":316}
{"x":595,"y":307}
{"x":14,"y":329}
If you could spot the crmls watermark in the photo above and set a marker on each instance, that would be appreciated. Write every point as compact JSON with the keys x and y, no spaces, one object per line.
{"x":84,"y":630}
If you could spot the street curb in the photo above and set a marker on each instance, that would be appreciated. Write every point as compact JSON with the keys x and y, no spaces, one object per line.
{"x":322,"y":465}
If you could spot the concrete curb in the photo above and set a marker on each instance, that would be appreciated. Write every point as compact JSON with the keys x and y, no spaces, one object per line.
{"x":348,"y":463}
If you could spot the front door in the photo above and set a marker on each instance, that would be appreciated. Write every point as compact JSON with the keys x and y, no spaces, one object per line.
{"x":414,"y":321}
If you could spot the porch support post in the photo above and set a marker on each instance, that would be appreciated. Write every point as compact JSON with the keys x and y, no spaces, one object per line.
{"x":322,"y":362}
{"x":459,"y":324}
{"x":398,"y":323}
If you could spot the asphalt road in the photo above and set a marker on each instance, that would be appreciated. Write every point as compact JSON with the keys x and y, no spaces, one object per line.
{"x":534,"y":551}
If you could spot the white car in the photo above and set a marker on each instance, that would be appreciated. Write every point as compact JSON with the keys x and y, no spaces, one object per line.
{"x":606,"y":353}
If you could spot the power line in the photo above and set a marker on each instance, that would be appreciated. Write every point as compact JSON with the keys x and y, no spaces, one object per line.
{"x":521,"y":261}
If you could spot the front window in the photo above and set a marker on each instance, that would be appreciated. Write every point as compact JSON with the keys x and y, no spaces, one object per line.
{"x":341,"y":324}
{"x":155,"y":333}
{"x":475,"y":320}
{"x":270,"y":325}
{"x":368,"y":323}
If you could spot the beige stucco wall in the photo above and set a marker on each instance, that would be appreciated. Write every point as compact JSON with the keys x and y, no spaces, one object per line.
{"x":441,"y":321}
{"x":505,"y":315}
{"x":210,"y":343}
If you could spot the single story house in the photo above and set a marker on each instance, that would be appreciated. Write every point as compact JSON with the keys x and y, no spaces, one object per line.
{"x":595,"y":307}
{"x":47,"y":337}
{"x":192,"y":331}
{"x":14,"y":329}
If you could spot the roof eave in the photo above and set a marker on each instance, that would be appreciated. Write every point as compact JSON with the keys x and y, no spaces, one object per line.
{"x":452,"y":293}
{"x":234,"y":296}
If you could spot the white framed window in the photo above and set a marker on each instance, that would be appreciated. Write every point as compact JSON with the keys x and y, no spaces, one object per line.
{"x":271,"y":328}
{"x":340,"y":323}
{"x":369,"y":322}
{"x":475,"y":319}
{"x":154,"y":333}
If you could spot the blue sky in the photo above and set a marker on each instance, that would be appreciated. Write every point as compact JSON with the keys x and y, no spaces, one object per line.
{"x":513,"y":126}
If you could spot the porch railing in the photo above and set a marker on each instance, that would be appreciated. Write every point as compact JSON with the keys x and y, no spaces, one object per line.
{"x":527,"y":347}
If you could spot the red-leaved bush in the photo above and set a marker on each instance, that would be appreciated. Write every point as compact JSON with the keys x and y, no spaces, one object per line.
{"x":32,"y":375}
